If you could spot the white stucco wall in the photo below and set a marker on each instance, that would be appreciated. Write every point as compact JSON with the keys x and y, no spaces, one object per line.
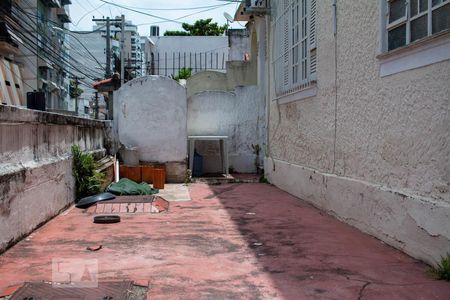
{"x":372,"y":136}
{"x":238,"y":115}
{"x":179,"y":46}
{"x":36,"y":180}
{"x":151,"y":113}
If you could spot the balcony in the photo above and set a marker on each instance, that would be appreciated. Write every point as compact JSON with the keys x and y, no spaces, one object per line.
{"x":63,"y":15}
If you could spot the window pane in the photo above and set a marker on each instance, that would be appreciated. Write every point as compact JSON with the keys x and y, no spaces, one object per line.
{"x":436,"y":2}
{"x":397,"y":10}
{"x":419,"y":28}
{"x":397,"y":37}
{"x":414,"y":7}
{"x":441,"y":18}
{"x":423,"y":5}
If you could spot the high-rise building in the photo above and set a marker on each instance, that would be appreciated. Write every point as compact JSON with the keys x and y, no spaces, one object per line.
{"x":34,"y":51}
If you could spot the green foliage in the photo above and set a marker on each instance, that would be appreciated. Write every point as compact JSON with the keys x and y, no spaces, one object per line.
{"x":263,"y":179}
{"x":74,"y":90}
{"x":442,"y":270}
{"x":202,"y":27}
{"x":184,"y":73}
{"x":87,"y":179}
{"x":176,"y":33}
{"x":188,"y":177}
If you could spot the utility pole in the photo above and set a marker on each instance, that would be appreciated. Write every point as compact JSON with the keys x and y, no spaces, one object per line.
{"x":108,"y":21}
{"x":108,"y":48}
{"x":76,"y":78}
{"x":122,"y":51}
{"x":96,"y":106}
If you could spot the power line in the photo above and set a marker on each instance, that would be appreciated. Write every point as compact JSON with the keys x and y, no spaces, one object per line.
{"x":174,"y":9}
{"x":45,"y":37}
{"x":140,"y":12}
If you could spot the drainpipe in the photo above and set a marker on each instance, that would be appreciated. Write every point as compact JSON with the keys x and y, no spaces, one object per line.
{"x":267,"y":81}
{"x":334,"y":5}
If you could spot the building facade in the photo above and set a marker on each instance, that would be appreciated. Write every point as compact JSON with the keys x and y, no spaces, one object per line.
{"x":357,"y":101}
{"x":36,"y":50}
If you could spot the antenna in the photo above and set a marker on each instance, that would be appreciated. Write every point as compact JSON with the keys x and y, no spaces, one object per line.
{"x":229,"y":18}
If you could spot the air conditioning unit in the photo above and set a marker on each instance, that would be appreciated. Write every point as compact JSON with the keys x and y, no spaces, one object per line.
{"x":260,"y":7}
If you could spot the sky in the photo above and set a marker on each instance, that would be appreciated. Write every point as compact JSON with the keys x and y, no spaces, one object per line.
{"x":82,"y":11}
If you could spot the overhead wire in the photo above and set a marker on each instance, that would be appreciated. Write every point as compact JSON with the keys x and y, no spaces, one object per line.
{"x":45,"y":36}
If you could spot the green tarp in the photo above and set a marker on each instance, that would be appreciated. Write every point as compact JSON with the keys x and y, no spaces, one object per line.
{"x":127,"y":187}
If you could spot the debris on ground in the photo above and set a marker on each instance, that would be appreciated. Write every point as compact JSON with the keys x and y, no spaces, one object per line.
{"x":94,"y":248}
{"x":126,"y":187}
{"x":106,"y":219}
{"x":91,"y":200}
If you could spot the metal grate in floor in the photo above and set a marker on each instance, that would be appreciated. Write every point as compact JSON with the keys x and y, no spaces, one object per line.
{"x":105,"y":291}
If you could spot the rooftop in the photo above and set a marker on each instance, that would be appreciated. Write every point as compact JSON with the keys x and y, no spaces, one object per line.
{"x":231,"y":241}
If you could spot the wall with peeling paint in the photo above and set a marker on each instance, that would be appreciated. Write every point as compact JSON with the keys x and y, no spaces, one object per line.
{"x":36,"y":180}
{"x":390,"y":135}
{"x":240,"y":115}
{"x":151,"y":114}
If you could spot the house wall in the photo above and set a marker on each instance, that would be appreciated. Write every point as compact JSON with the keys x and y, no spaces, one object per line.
{"x":372,"y":151}
{"x":192,"y":46}
{"x":239,"y":42}
{"x":239,"y":115}
{"x":36,"y":180}
{"x":231,"y":104}
{"x":151,"y":113}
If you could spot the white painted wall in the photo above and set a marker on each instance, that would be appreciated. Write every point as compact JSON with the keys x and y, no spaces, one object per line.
{"x":239,"y":41}
{"x":151,"y":113}
{"x":366,"y":141}
{"x":238,"y":115}
{"x":215,"y":45}
{"x":36,"y":180}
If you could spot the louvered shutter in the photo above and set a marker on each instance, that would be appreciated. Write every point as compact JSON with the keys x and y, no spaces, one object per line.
{"x":312,"y":40}
{"x":286,"y":45}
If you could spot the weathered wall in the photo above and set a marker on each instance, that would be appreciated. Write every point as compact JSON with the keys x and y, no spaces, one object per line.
{"x":215,"y":47}
{"x":238,"y":115}
{"x":239,"y":42}
{"x":151,"y":114}
{"x":388,"y":135}
{"x":35,"y":167}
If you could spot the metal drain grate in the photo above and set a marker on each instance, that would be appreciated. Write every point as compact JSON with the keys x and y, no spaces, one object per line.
{"x":46,"y":291}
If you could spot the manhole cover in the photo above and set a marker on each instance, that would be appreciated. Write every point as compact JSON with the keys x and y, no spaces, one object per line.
{"x":47,"y":291}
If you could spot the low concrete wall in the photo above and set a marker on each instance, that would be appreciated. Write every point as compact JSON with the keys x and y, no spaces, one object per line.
{"x":239,"y":115}
{"x":416,"y":225}
{"x":150,"y":113}
{"x":36,"y":180}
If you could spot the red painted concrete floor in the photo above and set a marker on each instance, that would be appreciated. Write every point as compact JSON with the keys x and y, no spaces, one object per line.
{"x":235,"y":241}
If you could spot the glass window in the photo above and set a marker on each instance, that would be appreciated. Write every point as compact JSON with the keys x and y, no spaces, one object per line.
{"x":441,"y":18}
{"x":403,"y":28}
{"x":397,"y":10}
{"x":419,"y":28}
{"x":397,"y":37}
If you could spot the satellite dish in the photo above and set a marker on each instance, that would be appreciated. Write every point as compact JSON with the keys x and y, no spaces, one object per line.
{"x":228,"y":17}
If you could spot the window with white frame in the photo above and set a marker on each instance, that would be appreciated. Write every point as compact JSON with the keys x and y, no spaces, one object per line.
{"x":294,"y":58}
{"x":408,"y":21}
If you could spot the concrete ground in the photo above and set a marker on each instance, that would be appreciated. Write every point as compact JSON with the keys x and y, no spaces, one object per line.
{"x":233,"y":241}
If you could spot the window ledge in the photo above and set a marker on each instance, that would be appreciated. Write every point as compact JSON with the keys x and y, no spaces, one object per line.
{"x":422,"y":53}
{"x":305,"y":93}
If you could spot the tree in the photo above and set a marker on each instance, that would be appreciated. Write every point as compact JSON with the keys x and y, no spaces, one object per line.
{"x":199,"y":28}
{"x":74,"y":90}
